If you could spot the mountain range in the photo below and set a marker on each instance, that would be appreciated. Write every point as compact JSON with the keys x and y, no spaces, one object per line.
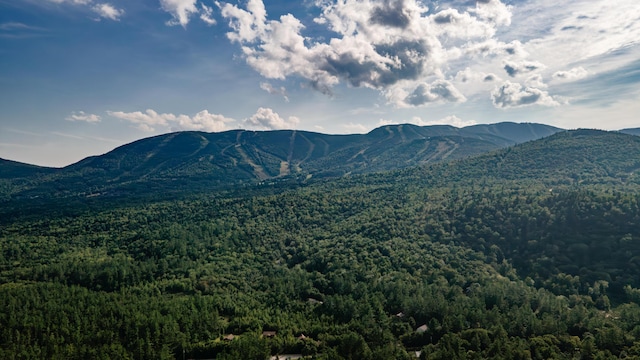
{"x":634,"y":131}
{"x":198,"y":161}
{"x":217,"y":160}
{"x":477,"y":244}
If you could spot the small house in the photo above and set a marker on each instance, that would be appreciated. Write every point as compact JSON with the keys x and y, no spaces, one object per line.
{"x":268,"y":334}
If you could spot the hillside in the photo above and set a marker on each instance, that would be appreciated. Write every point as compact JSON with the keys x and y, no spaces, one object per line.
{"x":567,"y":158}
{"x":528,"y":252}
{"x":194,"y":161}
{"x":635,"y":131}
{"x":12,"y":170}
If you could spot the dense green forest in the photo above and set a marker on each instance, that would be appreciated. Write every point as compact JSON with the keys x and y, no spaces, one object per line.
{"x":532,"y":252}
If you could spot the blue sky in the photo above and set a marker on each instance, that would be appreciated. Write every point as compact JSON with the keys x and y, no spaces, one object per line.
{"x":81,"y":77}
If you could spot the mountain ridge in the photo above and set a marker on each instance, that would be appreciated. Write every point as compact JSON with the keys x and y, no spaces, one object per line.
{"x":633,"y":131}
{"x":235,"y":157}
{"x":555,"y":217}
{"x":572,"y":157}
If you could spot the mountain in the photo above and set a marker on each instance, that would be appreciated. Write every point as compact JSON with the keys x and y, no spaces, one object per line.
{"x":635,"y":131}
{"x":250,"y":155}
{"x":13,"y":169}
{"x":569,"y":157}
{"x":198,"y":160}
{"x":528,"y":252}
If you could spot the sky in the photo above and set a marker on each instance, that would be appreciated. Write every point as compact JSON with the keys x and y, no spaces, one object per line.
{"x":81,"y":77}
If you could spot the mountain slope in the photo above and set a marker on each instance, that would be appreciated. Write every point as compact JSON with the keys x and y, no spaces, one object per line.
{"x":473,"y":258}
{"x":196,"y":160}
{"x":13,"y":169}
{"x":571,"y":157}
{"x":635,"y":131}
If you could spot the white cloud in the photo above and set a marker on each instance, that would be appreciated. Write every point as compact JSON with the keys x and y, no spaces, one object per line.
{"x":467,"y":76}
{"x":515,"y":95}
{"x":180,"y":10}
{"x":475,"y":82}
{"x":75,"y":2}
{"x":275,"y":91}
{"x":536,"y":81}
{"x":82,"y":116}
{"x":144,"y":121}
{"x":107,"y":11}
{"x":580,"y":32}
{"x":493,"y":47}
{"x":12,"y":26}
{"x":576,"y":73}
{"x":206,"y":15}
{"x":104,"y":10}
{"x":355,"y":128}
{"x":448,"y":120}
{"x":515,"y":69}
{"x":202,"y":121}
{"x":493,"y":11}
{"x":267,"y":119}
{"x":453,"y":24}
{"x":394,"y":46}
{"x":422,"y":94}
{"x":70,"y":136}
{"x":150,"y":119}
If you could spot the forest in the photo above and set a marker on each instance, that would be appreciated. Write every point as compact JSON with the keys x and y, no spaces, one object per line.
{"x":532,"y":252}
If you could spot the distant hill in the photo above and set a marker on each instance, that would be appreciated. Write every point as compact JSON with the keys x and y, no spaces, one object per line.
{"x":570,"y":157}
{"x":635,"y":131}
{"x":13,"y":169}
{"x":197,"y":160}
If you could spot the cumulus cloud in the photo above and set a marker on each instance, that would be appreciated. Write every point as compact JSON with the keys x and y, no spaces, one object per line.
{"x":440,"y":90}
{"x":515,"y":95}
{"x":82,"y":116}
{"x":536,"y":81}
{"x":493,"y":47}
{"x":107,"y":11}
{"x":267,"y":119}
{"x":395,"y":46}
{"x":202,"y":121}
{"x":352,"y":128}
{"x":493,"y":11}
{"x":448,"y":120}
{"x":570,"y":75}
{"x":467,"y":75}
{"x":514,"y":69}
{"x":454,"y":121}
{"x":104,"y":10}
{"x":180,"y":10}
{"x":144,"y":121}
{"x":150,"y":119}
{"x":281,"y":91}
{"x":206,"y":14}
{"x":453,"y":24}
